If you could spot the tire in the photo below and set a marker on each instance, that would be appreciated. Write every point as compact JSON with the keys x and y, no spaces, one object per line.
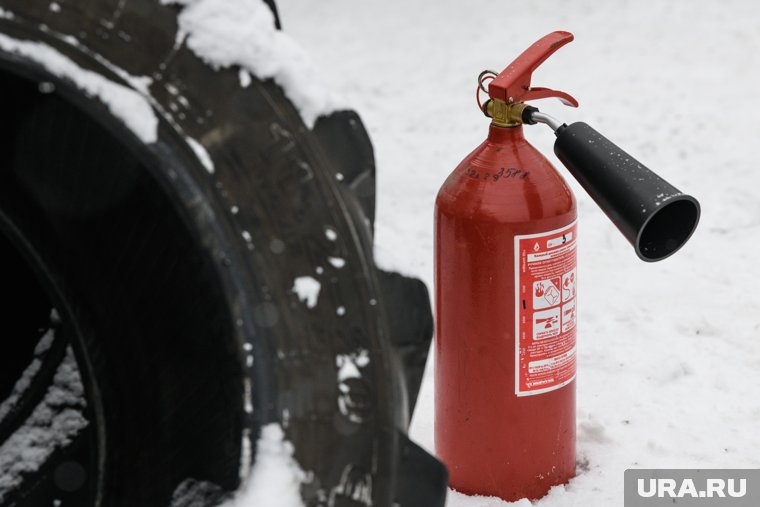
{"x":174,"y":288}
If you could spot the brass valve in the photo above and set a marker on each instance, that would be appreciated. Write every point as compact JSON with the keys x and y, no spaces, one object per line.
{"x":503,"y":114}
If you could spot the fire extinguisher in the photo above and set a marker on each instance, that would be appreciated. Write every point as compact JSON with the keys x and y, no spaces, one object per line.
{"x":506,"y":284}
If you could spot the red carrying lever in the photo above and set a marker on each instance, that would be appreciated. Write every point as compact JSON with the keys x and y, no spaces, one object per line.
{"x":513,"y":83}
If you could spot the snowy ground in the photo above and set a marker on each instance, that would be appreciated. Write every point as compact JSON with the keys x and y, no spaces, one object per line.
{"x":669,"y":356}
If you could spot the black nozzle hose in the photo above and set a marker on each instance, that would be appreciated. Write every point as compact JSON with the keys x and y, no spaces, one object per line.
{"x":655,"y":217}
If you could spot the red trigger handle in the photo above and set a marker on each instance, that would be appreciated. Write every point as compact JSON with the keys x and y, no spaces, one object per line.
{"x":513,"y":83}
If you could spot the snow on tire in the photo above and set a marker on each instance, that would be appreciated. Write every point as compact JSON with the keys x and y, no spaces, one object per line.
{"x":210,"y":258}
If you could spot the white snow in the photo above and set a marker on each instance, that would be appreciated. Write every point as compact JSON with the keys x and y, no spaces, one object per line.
{"x":201,"y":153}
{"x":245,"y":78}
{"x":246,"y":455}
{"x":276,"y":477}
{"x":132,"y":108}
{"x":669,"y":353}
{"x":242,"y":32}
{"x":45,"y":342}
{"x":23,"y":383}
{"x":349,"y":367}
{"x":349,"y":364}
{"x":337,"y":262}
{"x":52,"y":425}
{"x":307,"y":288}
{"x":331,"y":234}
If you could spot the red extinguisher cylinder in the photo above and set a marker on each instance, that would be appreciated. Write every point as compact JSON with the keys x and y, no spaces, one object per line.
{"x":505,"y":356}
{"x":506,"y":283}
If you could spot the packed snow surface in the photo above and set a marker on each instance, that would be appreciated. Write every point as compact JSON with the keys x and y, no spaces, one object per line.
{"x":128,"y":105}
{"x":242,"y":32}
{"x":669,"y":353}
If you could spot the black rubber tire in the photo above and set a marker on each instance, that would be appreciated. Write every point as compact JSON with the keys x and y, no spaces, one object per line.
{"x":181,"y":281}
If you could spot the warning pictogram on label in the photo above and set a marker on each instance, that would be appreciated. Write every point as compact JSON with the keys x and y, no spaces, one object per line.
{"x":546,"y":324}
{"x":546,"y":293}
{"x":545,"y":330}
{"x":568,"y":286}
{"x":568,"y":315}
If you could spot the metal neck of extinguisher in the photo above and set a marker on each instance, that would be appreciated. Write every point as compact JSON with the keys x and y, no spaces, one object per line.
{"x":539,"y":117}
{"x":655,"y":217}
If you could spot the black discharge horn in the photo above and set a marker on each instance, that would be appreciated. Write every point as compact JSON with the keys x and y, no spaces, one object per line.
{"x":655,"y":217}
